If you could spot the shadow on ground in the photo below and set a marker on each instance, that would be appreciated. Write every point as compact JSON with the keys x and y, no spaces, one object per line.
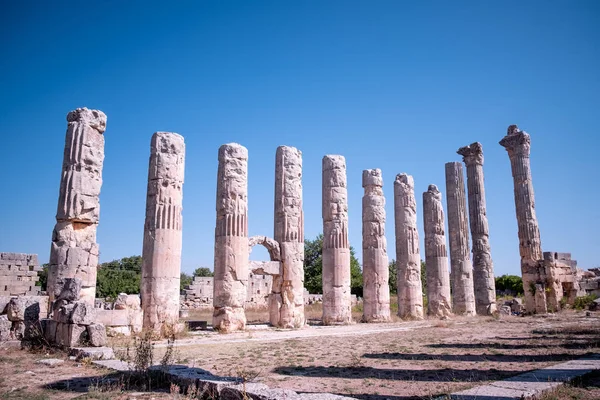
{"x":472,"y":357}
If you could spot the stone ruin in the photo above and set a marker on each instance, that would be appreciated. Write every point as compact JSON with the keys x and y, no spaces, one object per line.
{"x":199,"y":294}
{"x":279,"y":282}
{"x":18,"y":274}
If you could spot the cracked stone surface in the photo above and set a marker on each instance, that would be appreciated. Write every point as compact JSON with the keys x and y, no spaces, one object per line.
{"x":408,"y":256}
{"x":483,"y":267}
{"x":436,"y":256}
{"x":74,"y":251}
{"x":161,"y":255}
{"x":461,"y":269}
{"x":518,"y":145}
{"x":286,"y":302}
{"x":336,"y":247}
{"x":376,"y":290}
{"x":231,"y":239}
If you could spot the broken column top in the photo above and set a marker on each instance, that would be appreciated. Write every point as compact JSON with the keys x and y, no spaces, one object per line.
{"x":331,"y":162}
{"x":233,"y":150}
{"x":94,"y":118}
{"x":472,"y":154}
{"x":289,"y":150}
{"x":433,"y":190}
{"x":168,"y":162}
{"x":372,"y":177}
{"x":405,"y":180}
{"x":515,"y":138}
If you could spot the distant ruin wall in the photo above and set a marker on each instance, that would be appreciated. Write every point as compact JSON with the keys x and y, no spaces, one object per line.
{"x":18,"y":274}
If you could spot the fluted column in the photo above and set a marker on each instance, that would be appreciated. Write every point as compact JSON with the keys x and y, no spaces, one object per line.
{"x":74,"y":251}
{"x":336,"y":249}
{"x":461,"y":269}
{"x":439,"y":303}
{"x":231,"y":239}
{"x":376,"y":273}
{"x":408,"y":256}
{"x":289,"y":232}
{"x":161,"y":255}
{"x":483,"y":267}
{"x":518,"y":144}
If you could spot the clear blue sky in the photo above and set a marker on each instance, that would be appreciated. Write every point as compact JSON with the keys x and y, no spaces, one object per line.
{"x":393,"y":85}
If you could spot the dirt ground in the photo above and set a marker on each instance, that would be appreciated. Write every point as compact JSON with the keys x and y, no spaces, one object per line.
{"x":396,"y":361}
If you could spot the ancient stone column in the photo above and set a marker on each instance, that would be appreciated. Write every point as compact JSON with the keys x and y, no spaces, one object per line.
{"x":161,"y":255}
{"x":336,"y":248}
{"x":74,"y":251}
{"x":461,"y":269}
{"x":518,"y":144}
{"x":231,"y":239}
{"x":288,"y":308}
{"x":439,"y":303}
{"x":408,"y":256}
{"x":376,"y":273}
{"x":483,"y":267}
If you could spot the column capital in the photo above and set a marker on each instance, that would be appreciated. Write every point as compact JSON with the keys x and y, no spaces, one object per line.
{"x":94,"y":118}
{"x":472,"y":154}
{"x":516,"y":141}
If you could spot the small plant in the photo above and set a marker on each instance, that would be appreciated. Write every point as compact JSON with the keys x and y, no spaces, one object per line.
{"x":584,"y":302}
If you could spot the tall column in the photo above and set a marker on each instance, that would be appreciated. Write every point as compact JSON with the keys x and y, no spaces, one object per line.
{"x":461,"y":269}
{"x":74,"y":251}
{"x":231,"y":239}
{"x":336,"y":249}
{"x":408,"y":256}
{"x":289,"y":232}
{"x":436,"y":256}
{"x":376,"y":273}
{"x":518,"y":145}
{"x":161,"y":255}
{"x":483,"y":267}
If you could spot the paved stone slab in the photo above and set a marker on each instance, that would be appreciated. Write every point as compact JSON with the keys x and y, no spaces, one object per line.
{"x":94,"y":353}
{"x":113,"y":364}
{"x":533,"y":383}
{"x":51,"y":362}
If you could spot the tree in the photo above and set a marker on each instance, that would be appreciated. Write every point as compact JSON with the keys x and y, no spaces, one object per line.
{"x":393,"y":282}
{"x":203,"y":271}
{"x":185,"y":280}
{"x":424,"y":277}
{"x":43,"y":275}
{"x":119,"y":276}
{"x":512,"y":283}
{"x":313,"y":267}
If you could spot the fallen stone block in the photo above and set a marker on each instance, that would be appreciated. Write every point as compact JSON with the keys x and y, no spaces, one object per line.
{"x":96,"y":334}
{"x":23,"y":308}
{"x":51,"y":362}
{"x":50,"y":330}
{"x":83,"y":314}
{"x":5,"y":327}
{"x":63,"y":313}
{"x":92,"y":353}
{"x":70,"y":335}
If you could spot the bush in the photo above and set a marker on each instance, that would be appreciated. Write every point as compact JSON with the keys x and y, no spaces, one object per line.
{"x":584,"y":302}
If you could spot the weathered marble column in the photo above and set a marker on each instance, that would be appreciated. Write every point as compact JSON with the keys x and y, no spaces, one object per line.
{"x":231,"y":239}
{"x":408,"y":256}
{"x":439,"y":303}
{"x":483,"y":267}
{"x":161,"y":255}
{"x":74,"y":251}
{"x":461,"y":269}
{"x":518,"y":145}
{"x":376,"y":273}
{"x":289,"y":232}
{"x":336,"y":248}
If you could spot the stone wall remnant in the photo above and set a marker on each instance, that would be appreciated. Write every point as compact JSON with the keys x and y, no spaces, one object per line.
{"x":439,"y":303}
{"x":18,"y":274}
{"x":161,"y":255}
{"x":336,"y":247}
{"x":483,"y":266}
{"x":461,"y":269}
{"x":408,"y":256}
{"x":518,"y":145}
{"x":287,"y":299}
{"x":74,"y":251}
{"x":376,"y":290}
{"x":231,"y":239}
